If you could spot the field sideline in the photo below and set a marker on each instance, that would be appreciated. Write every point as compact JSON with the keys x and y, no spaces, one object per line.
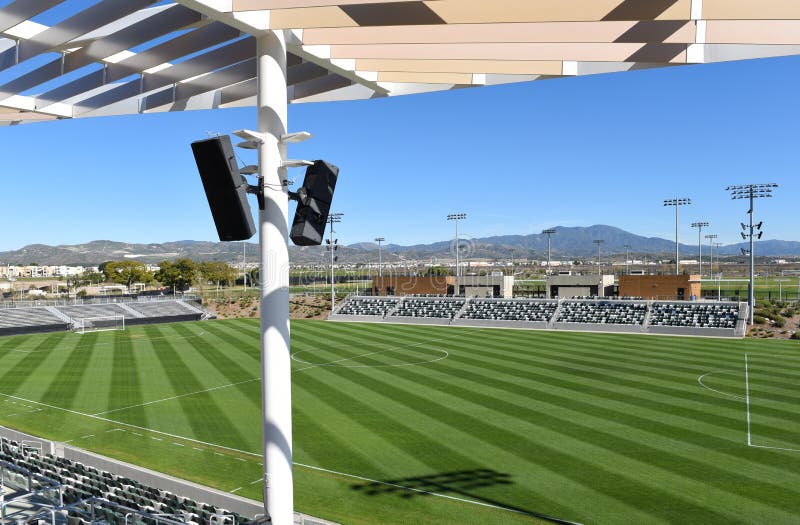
{"x":414,"y":424}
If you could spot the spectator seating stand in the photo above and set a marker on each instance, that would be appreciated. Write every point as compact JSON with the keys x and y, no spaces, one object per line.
{"x":631,"y":315}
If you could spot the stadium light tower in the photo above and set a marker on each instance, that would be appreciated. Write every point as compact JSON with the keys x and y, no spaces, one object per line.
{"x":457,"y":217}
{"x":752,"y":192}
{"x":598,"y":242}
{"x":379,"y":240}
{"x":333,"y":245}
{"x":700,"y":226}
{"x":711,"y":237}
{"x":548,"y":232}
{"x":627,"y":250}
{"x":677,"y":203}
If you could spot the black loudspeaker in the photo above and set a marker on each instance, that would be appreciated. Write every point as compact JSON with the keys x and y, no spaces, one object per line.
{"x":314,"y":203}
{"x":226,"y":188}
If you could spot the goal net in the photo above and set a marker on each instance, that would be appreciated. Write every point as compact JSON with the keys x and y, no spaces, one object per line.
{"x":82,"y":325}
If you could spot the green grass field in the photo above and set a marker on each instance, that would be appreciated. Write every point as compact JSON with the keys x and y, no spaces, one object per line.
{"x":591,"y":428}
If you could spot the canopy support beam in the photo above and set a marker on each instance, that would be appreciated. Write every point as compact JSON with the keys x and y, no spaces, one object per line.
{"x":276,"y":386}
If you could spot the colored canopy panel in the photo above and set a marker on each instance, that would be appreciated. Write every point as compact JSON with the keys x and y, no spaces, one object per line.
{"x":71,"y":59}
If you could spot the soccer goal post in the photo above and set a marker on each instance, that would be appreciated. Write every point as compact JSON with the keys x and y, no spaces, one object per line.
{"x":82,"y":325}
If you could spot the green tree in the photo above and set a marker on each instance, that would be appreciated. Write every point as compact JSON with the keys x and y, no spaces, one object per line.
{"x":216,"y":272}
{"x":437,"y":271}
{"x":127,"y":272}
{"x":180,"y":274}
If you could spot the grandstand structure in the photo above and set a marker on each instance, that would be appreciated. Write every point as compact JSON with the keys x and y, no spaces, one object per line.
{"x":699,"y":318}
{"x":15,"y":321}
{"x":41,"y":485}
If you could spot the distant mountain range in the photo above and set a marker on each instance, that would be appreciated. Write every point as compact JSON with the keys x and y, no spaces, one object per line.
{"x":566,"y":243}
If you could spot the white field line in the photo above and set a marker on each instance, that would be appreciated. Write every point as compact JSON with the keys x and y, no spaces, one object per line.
{"x":429,"y":493}
{"x":177,"y":397}
{"x":229,"y":385}
{"x":398,"y":347}
{"x":747,"y":399}
{"x":254,"y":455}
{"x":700,"y":380}
{"x":129,"y":338}
{"x":747,"y":396}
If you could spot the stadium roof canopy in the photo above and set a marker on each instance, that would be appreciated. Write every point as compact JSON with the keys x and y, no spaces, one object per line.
{"x":78,"y":59}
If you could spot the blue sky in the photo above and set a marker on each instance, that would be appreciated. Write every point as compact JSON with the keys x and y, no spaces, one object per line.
{"x":604,"y":149}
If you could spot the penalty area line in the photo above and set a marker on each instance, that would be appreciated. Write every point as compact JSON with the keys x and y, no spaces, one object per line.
{"x":302,"y":465}
{"x":437,"y":494}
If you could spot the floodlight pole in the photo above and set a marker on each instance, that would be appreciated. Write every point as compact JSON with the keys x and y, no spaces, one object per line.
{"x":276,"y":384}
{"x":711,"y":238}
{"x":700,"y":226}
{"x":456,"y":217}
{"x":677,"y":203}
{"x":379,"y":240}
{"x":627,"y":250}
{"x":332,"y":219}
{"x":751,"y":191}
{"x":548,"y":232}
{"x":598,"y":242}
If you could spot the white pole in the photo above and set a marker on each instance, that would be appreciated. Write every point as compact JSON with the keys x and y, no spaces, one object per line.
{"x":276,"y":386}
{"x":457,"y":250}
{"x":332,"y":246}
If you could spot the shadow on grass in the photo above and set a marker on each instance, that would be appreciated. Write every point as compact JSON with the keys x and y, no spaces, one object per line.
{"x":458,"y":484}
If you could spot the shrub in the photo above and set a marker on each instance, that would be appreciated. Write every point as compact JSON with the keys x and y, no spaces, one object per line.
{"x":795,"y":336}
{"x":757,"y":319}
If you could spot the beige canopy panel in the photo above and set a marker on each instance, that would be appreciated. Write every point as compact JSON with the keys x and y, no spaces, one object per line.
{"x":136,"y":56}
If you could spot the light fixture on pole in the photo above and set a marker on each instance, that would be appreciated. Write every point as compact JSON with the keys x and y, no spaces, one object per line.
{"x":700,"y":226}
{"x":379,"y":240}
{"x":751,"y":231}
{"x":333,"y":245}
{"x":677,"y":203}
{"x":627,"y":250}
{"x":711,"y":237}
{"x":457,"y":217}
{"x":548,"y":232}
{"x":598,"y":242}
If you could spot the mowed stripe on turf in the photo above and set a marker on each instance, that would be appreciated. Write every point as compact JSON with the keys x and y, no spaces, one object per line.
{"x":601,"y":428}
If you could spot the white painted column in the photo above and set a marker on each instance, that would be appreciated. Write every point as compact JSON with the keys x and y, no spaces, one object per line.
{"x":276,"y":387}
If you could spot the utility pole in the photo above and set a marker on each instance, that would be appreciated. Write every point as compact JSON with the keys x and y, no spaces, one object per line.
{"x":598,"y":242}
{"x":456,"y":217}
{"x":333,"y":245}
{"x":677,"y":203}
{"x":548,"y":232}
{"x":751,"y":192}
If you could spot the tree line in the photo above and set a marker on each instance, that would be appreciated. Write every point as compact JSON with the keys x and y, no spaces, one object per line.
{"x":180,"y":274}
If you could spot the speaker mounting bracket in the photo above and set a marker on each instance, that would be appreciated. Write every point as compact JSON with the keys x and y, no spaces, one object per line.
{"x":299,"y":136}
{"x":292,"y":163}
{"x":250,"y":135}
{"x":258,"y":191}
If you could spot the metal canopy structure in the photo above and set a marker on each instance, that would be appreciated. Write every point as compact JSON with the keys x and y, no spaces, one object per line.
{"x":119,"y":57}
{"x":81,"y":58}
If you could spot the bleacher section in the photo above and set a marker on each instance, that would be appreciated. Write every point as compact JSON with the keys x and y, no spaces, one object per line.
{"x":602,"y":315}
{"x":707,"y":317}
{"x":29,"y":320}
{"x":522,"y":313}
{"x":57,"y":318}
{"x":89,"y":494}
{"x":428,"y":308}
{"x":165,"y":311}
{"x":378,"y":306}
{"x":626,"y":316}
